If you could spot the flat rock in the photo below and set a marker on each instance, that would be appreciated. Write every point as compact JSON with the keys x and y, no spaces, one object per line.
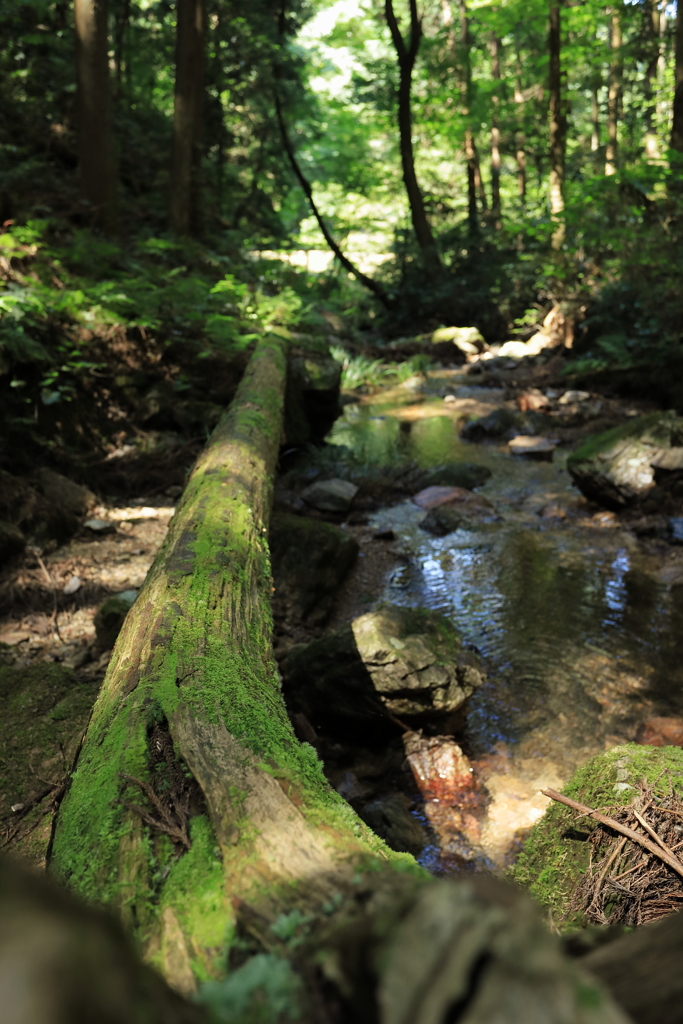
{"x":457,"y":474}
{"x":532,"y":447}
{"x":433,"y":497}
{"x":617,"y":468}
{"x":330,"y":495}
{"x":661,"y":731}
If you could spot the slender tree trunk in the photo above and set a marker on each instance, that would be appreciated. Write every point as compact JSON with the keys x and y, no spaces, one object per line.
{"x":614,"y":95}
{"x":473,"y":172}
{"x":558,"y":126}
{"x":495,"y":138}
{"x":97,"y":162}
{"x":121,"y":31}
{"x":520,"y":152}
{"x":677,"y":123}
{"x":651,"y":15}
{"x":595,"y":122}
{"x":407,"y":55}
{"x":188,"y":119}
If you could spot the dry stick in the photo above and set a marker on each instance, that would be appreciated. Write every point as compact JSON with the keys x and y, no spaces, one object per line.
{"x":41,"y":563}
{"x":651,"y":831}
{"x":664,"y":855}
{"x":608,"y":865}
{"x":666,"y":810}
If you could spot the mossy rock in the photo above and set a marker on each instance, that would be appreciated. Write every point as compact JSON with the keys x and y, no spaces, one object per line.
{"x":44,"y":710}
{"x":458,"y":474}
{"x":310,"y":560}
{"x":556,"y":853}
{"x":616,"y":468}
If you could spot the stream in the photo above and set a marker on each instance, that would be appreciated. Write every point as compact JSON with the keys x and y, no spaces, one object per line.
{"x":578,"y":621}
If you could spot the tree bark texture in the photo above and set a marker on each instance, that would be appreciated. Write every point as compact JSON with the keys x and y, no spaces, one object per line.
{"x":407,"y":55}
{"x":97,"y":160}
{"x":558,"y":126}
{"x":677,"y":122}
{"x":495,"y":137}
{"x":184,"y":208}
{"x":613,"y":95}
{"x":192,"y":798}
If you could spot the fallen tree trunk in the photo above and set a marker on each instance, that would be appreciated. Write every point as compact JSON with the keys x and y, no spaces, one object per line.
{"x":196,"y":815}
{"x":191,"y":790}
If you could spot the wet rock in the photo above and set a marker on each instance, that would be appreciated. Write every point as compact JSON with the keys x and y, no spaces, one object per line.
{"x":572,"y":397}
{"x":469,"y":340}
{"x":458,"y":474}
{"x":433,"y":497}
{"x":676,"y":529}
{"x":110,"y":616}
{"x":409,"y":663}
{"x":617,"y":468}
{"x":310,"y":559}
{"x":390,"y":819}
{"x":63,"y":492}
{"x":443,"y":520}
{"x":496,"y":424}
{"x":555,"y":855}
{"x":441,"y":770}
{"x":12,"y":540}
{"x":330,"y":495}
{"x":661,"y":731}
{"x":532,"y":401}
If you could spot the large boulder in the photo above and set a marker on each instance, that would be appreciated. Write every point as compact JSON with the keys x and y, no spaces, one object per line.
{"x":310,"y":560}
{"x":394,"y":662}
{"x":561,"y":850}
{"x":618,"y":467}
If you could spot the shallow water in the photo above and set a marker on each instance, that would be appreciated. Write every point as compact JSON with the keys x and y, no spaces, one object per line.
{"x":579,"y":624}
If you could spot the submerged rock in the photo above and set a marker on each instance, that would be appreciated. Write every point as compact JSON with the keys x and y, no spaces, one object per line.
{"x":443,"y":520}
{"x":556,"y":854}
{"x":496,"y":424}
{"x":310,"y":559}
{"x":617,"y":468}
{"x":400,"y":661}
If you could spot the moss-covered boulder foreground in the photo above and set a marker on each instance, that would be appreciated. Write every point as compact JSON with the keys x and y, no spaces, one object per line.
{"x":563,"y":848}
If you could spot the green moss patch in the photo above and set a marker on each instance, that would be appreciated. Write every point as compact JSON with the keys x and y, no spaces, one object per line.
{"x":556,"y":852}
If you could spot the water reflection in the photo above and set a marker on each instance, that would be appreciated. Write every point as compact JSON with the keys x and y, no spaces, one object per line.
{"x":581,"y":639}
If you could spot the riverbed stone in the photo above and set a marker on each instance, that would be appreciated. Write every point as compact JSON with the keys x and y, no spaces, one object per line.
{"x":330,"y":495}
{"x":310,"y":559}
{"x":496,"y":424}
{"x":402,"y":662}
{"x":556,"y":853}
{"x":390,"y":818}
{"x":443,"y":520}
{"x":617,"y":468}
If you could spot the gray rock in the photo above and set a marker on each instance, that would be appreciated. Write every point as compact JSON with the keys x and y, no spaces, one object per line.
{"x":443,"y":520}
{"x":458,"y":474}
{"x":100,"y":526}
{"x":61,"y":491}
{"x":109,"y":618}
{"x":12,"y":540}
{"x":676,"y":528}
{"x":616,"y":468}
{"x":330,"y":495}
{"x":395,"y":661}
{"x":496,"y":424}
{"x":310,"y":559}
{"x":390,"y":819}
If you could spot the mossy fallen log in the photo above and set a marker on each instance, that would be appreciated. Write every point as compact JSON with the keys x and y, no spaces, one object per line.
{"x":196,"y":815}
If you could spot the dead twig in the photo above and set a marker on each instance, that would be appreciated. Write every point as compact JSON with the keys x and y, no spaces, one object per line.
{"x":663,"y":854}
{"x":171,"y":824}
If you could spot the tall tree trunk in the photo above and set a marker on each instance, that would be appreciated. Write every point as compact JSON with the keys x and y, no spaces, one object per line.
{"x":614,"y":95}
{"x":595,"y":122}
{"x":558,"y":126}
{"x":495,"y":137}
{"x":473,"y":171}
{"x":120,"y":32}
{"x":97,"y":161}
{"x":407,"y":55}
{"x":520,"y":152}
{"x":184,"y":208}
{"x":677,"y":123}
{"x":651,"y":15}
